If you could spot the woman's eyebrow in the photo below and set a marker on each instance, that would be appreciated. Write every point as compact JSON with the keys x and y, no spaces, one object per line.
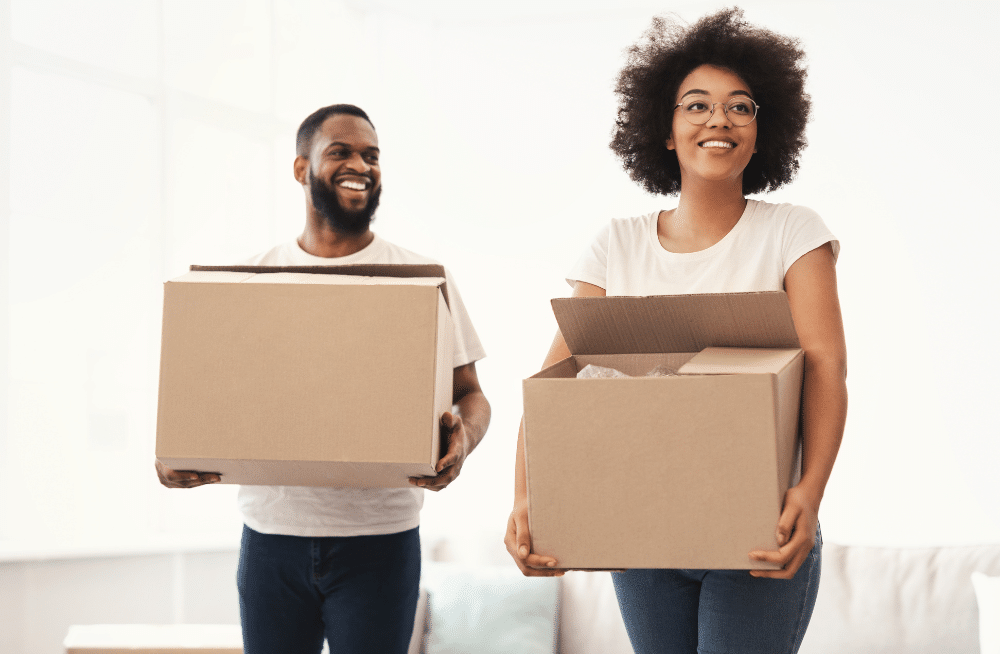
{"x":704,"y":92}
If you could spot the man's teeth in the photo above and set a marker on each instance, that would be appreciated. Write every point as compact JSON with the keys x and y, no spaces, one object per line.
{"x":354,"y":186}
{"x":718,"y":144}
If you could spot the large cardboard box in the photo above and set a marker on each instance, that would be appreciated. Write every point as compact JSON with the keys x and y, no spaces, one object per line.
{"x":325,"y":376}
{"x":685,"y":471}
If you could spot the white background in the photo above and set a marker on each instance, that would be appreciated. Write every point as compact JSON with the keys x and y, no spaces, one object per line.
{"x":146,"y":135}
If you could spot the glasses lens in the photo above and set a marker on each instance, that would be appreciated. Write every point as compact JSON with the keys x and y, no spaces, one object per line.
{"x":697,"y":109}
{"x":741,"y":111}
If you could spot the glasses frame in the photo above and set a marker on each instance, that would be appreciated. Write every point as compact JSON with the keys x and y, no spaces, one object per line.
{"x":725,"y":111}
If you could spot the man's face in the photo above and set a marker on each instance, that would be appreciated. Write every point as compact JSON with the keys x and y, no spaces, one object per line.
{"x":345,"y":181}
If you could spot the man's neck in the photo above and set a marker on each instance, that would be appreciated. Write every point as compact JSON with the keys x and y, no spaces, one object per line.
{"x":324,"y":242}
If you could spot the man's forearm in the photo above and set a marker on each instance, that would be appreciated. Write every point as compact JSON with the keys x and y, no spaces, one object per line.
{"x":474,"y":410}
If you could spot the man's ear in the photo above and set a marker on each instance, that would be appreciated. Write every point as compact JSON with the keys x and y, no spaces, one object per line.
{"x":300,"y":168}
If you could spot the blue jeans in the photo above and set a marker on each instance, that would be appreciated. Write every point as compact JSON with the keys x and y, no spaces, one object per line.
{"x":717,"y":611}
{"x":360,"y":592}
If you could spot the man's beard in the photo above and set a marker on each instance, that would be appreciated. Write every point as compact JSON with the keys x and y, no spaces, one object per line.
{"x":325,"y":201}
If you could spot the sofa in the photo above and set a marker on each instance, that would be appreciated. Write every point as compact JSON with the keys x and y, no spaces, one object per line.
{"x":885,"y":600}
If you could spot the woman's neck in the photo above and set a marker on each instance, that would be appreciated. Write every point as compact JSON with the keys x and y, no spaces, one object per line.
{"x":705,"y":213}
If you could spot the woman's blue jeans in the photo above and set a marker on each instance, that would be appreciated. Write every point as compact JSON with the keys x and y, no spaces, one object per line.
{"x":717,"y":611}
{"x":360,"y":592}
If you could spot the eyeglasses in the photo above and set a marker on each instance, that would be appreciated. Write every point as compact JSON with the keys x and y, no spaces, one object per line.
{"x":698,"y":110}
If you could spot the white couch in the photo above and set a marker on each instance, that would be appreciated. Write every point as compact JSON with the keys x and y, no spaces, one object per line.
{"x":871,"y":600}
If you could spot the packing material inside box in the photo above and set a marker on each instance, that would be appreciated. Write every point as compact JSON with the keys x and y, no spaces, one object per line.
{"x":684,"y":471}
{"x":325,"y":376}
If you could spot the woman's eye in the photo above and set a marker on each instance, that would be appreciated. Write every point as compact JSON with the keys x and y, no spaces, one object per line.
{"x":740,"y":108}
{"x":696,"y":106}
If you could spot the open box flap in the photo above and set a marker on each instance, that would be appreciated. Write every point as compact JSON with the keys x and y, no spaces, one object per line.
{"x":361,"y":269}
{"x":675,"y":323}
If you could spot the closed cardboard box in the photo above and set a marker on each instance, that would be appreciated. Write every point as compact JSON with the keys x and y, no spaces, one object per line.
{"x":325,"y":376}
{"x":685,"y":471}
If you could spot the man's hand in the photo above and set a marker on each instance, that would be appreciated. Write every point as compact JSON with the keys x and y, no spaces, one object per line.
{"x":448,"y":468}
{"x":796,"y":536}
{"x":184,"y":478}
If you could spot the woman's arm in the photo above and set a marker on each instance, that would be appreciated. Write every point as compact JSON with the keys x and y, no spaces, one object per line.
{"x":811,"y":284}
{"x":517,"y":539}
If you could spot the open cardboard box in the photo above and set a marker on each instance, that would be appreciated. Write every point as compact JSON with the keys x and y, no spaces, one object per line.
{"x":685,"y":471}
{"x":318,"y":376}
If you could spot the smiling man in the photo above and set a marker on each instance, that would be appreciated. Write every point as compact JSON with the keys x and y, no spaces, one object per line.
{"x":343,"y":563}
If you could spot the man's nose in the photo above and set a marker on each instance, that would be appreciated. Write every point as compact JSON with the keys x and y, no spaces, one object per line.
{"x":357,"y":162}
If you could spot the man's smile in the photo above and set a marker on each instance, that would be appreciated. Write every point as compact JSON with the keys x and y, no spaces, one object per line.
{"x":354,"y":183}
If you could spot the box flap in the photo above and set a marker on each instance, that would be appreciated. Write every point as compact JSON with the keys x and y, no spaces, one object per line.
{"x":361,"y":269}
{"x":738,"y":360}
{"x":675,"y":323}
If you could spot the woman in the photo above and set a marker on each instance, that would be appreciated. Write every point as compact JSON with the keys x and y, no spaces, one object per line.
{"x":688,"y":123}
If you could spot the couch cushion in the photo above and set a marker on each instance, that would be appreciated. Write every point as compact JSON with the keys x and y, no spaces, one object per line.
{"x":988,"y":598}
{"x":488,"y":610}
{"x":589,"y":619}
{"x":898,"y":600}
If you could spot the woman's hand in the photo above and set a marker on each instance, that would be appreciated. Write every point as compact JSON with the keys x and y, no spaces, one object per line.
{"x":518,"y":542}
{"x":796,"y":535}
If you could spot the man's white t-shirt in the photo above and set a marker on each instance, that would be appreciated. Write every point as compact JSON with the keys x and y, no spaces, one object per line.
{"x":626,"y":258}
{"x":323,"y":511}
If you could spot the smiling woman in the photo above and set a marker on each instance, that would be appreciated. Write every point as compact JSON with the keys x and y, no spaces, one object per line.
{"x":687,"y":123}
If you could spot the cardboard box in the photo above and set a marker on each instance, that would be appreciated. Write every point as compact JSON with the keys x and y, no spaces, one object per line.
{"x":325,"y":376}
{"x":687,"y":471}
{"x":154,"y":639}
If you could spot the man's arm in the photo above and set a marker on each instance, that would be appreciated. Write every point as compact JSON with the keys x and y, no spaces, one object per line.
{"x":462,"y":428}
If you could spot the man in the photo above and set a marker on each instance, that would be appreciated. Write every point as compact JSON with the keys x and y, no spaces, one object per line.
{"x":343,"y":563}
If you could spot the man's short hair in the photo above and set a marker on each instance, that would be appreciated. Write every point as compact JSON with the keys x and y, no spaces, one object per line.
{"x":304,"y":137}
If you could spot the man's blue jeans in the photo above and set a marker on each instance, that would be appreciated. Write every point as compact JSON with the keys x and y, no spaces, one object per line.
{"x":717,"y":611}
{"x":360,"y":592}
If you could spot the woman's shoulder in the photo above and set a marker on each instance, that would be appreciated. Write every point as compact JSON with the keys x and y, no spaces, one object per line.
{"x":783,"y":211}
{"x":632,"y":225}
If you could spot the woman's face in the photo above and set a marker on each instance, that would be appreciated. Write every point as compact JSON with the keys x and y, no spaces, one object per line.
{"x":718,"y":150}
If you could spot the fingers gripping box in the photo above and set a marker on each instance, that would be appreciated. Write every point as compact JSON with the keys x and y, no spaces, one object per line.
{"x":684,"y":471}
{"x":320,"y":376}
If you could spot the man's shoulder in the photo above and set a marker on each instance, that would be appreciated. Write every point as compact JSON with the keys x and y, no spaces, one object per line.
{"x":392,"y":253}
{"x":282,"y":254}
{"x":378,"y":251}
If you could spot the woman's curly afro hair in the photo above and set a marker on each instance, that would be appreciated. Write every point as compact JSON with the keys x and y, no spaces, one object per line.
{"x":772,"y":66}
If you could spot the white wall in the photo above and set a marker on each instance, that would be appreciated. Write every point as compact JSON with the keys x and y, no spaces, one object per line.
{"x":132,"y":158}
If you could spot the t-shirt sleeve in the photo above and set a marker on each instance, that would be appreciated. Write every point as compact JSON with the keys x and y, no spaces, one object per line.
{"x":468,"y":348}
{"x":592,"y":266}
{"x":803,"y":232}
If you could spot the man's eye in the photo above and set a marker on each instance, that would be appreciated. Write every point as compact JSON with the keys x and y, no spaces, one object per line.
{"x":371,"y":158}
{"x":339,"y":153}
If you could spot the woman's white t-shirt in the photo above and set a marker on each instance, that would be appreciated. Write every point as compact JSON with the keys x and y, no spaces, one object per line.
{"x":626,"y":258}
{"x":324,"y":511}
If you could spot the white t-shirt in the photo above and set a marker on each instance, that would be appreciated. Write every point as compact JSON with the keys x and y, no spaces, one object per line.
{"x":323,"y":511}
{"x":626,"y":258}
